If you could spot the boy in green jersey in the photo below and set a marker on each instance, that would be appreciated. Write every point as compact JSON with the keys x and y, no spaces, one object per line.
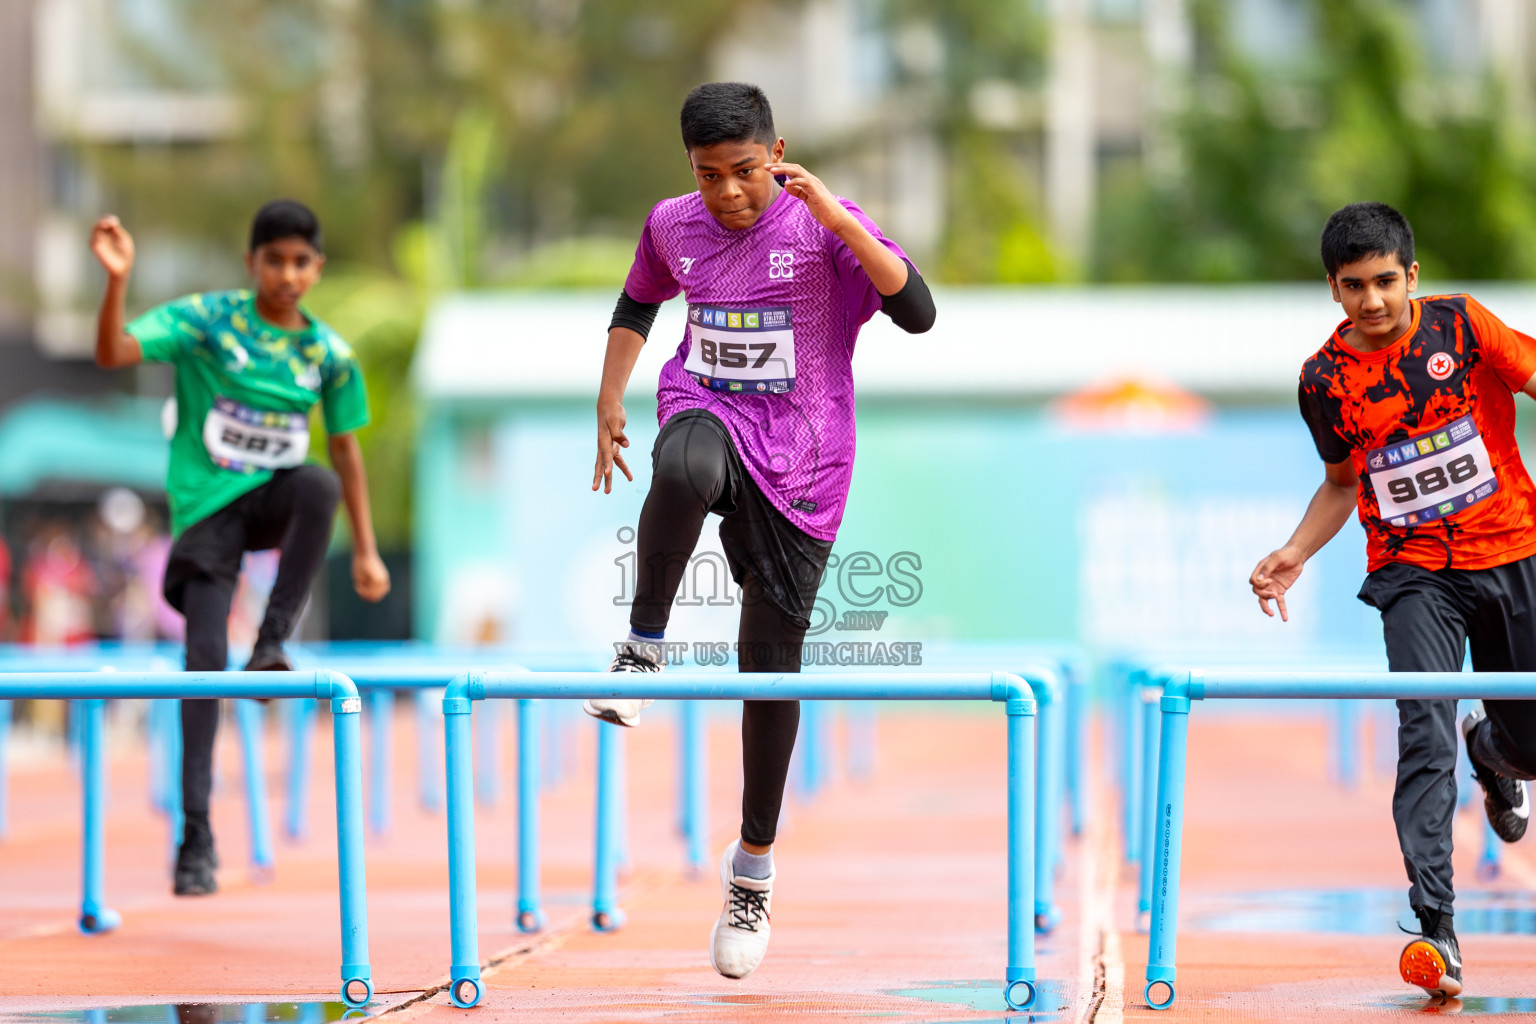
{"x":249,"y":367}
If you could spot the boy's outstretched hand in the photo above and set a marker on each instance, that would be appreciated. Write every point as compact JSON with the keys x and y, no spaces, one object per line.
{"x":113,"y":246}
{"x":1273,"y":576}
{"x":369,"y":576}
{"x":611,"y":441}
{"x":810,"y":190}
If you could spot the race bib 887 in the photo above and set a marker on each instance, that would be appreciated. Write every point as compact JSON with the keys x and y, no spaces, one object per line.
{"x":1432,"y":476}
{"x":743,"y":350}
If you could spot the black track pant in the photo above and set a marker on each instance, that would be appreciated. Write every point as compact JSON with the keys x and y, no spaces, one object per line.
{"x":291,"y":512}
{"x":1428,"y":619}
{"x":697,"y":470}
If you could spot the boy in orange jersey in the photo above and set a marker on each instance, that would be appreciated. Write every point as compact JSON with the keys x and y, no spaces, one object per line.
{"x":1411,"y":407}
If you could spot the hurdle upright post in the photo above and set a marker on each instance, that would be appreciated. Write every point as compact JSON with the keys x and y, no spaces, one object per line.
{"x":1129,"y":699}
{"x":381,"y":728}
{"x":695,"y":780}
{"x":530,"y":914}
{"x":1489,"y":865}
{"x":606,"y":915}
{"x":1346,"y":743}
{"x":248,"y":718}
{"x":1077,"y":747}
{"x":1050,"y":721}
{"x":347,"y":736}
{"x":5,"y":776}
{"x":464,"y":989}
{"x":301,"y":726}
{"x":1020,"y":972}
{"x":1163,"y":935}
{"x":429,"y":788}
{"x":95,"y":918}
{"x":1150,"y":743}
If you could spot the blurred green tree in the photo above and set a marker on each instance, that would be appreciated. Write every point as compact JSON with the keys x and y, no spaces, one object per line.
{"x":984,"y":92}
{"x":1267,"y":154}
{"x":452,"y":144}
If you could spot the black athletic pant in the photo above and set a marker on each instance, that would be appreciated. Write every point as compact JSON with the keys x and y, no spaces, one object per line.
{"x":1428,"y":619}
{"x":291,"y":512}
{"x":696,"y":471}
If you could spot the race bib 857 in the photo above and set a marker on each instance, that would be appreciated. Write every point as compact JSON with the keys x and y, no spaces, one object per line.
{"x":239,"y":438}
{"x":743,"y":350}
{"x":1432,"y":476}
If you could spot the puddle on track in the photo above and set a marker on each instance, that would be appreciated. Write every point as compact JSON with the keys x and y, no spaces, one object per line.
{"x":1469,"y":1006}
{"x":194,"y":1013}
{"x":1356,"y":912}
{"x":988,"y":995}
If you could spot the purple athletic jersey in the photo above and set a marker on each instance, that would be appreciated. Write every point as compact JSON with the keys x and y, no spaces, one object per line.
{"x":784,"y":284}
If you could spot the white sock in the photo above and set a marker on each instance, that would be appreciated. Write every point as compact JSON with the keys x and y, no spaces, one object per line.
{"x":752,"y":865}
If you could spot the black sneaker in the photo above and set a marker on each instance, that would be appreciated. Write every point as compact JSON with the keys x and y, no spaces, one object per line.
{"x":1433,"y":960}
{"x":269,"y":657}
{"x":1507,"y":801}
{"x":195,"y":862}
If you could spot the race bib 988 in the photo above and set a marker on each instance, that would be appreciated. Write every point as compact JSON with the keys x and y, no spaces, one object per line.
{"x":743,"y":350}
{"x":239,"y":438}
{"x":1432,"y":476}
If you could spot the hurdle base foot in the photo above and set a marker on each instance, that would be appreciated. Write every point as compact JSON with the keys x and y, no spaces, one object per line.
{"x":1020,"y":995}
{"x":1159,"y":994}
{"x":100,"y":922}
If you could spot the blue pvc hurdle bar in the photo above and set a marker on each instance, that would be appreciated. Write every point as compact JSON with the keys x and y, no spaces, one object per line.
{"x":164,"y":728}
{"x":465,"y":988}
{"x":1137,"y":765}
{"x":1181,"y":689}
{"x":91,"y":689}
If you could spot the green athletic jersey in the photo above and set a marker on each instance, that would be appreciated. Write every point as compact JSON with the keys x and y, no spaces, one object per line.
{"x":244,"y":389}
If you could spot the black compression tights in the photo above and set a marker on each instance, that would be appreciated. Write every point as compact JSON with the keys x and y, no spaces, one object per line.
{"x":295,"y":510}
{"x":691,"y":472}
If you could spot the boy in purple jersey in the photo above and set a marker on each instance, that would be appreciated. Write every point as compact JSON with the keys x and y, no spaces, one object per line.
{"x":756,"y":415}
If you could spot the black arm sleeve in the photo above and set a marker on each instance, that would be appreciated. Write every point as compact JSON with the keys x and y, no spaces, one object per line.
{"x":911,"y":309}
{"x":637,"y":316}
{"x":1331,"y":448}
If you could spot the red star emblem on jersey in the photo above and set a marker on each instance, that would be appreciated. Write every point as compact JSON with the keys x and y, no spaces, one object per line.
{"x":1441,"y":365}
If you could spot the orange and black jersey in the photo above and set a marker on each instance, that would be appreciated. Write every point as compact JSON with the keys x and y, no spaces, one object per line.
{"x":1429,"y":423}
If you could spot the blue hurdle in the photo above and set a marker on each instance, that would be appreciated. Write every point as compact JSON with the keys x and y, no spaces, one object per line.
{"x":1139,"y":681}
{"x":164,"y":729}
{"x":1181,"y":689}
{"x":92,"y":689}
{"x":465,"y":989}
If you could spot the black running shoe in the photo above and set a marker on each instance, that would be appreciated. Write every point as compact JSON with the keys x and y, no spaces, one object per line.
{"x":195,"y":862}
{"x":269,"y":657}
{"x":1507,"y":801}
{"x":1433,"y":961}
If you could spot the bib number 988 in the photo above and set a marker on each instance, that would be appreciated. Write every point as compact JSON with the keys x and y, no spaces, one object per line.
{"x":1404,"y":489}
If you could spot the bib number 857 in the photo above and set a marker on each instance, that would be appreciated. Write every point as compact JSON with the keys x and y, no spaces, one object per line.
{"x":733,"y":354}
{"x":1433,"y":479}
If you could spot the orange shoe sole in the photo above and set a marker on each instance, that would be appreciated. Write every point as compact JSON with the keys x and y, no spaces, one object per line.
{"x":1421,"y":964}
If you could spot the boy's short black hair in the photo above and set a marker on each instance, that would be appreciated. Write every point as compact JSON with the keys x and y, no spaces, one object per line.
{"x":1362,"y":230}
{"x":718,"y":112}
{"x":286,"y":218}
